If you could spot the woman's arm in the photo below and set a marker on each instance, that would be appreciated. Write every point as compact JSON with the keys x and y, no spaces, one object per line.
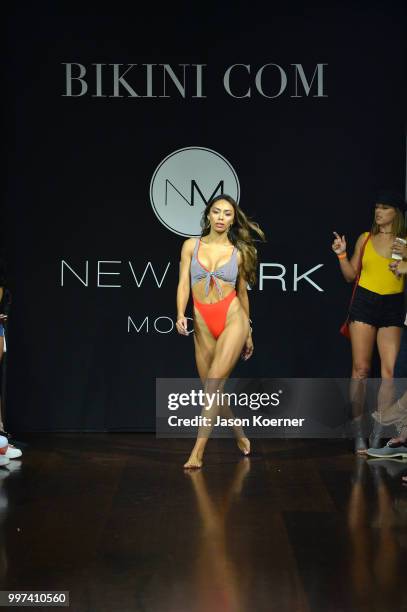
{"x":349,"y":268}
{"x":184,"y":285}
{"x":241,"y":291}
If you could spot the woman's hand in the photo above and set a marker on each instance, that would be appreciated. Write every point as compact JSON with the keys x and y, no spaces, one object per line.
{"x":248,"y":348}
{"x":339,"y":244}
{"x":399,"y":248}
{"x":181,"y":326}
{"x":398,"y":267}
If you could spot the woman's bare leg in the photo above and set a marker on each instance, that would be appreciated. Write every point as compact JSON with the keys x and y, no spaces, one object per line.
{"x":215,"y":361}
{"x":388,"y":343}
{"x":228,"y":350}
{"x":205,"y":345}
{"x":363,"y":337}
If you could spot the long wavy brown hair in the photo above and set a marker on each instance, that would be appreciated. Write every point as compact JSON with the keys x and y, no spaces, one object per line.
{"x":242,"y":234}
{"x":398,"y":226}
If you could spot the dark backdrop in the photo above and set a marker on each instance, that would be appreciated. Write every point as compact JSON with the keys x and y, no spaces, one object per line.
{"x":78,"y":179}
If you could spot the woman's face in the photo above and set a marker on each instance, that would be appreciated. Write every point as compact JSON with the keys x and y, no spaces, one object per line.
{"x":221,"y":216}
{"x":384,"y":214}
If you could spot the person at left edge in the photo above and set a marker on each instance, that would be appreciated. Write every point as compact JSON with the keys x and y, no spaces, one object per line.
{"x":11,"y":452}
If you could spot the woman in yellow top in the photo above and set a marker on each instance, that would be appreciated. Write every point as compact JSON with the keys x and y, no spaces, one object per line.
{"x":377,"y":313}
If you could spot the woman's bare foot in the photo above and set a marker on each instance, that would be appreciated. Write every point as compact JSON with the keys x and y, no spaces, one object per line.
{"x":244,"y":445}
{"x":195,"y":459}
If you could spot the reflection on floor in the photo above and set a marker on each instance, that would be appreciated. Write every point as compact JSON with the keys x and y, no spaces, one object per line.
{"x":301,"y":525}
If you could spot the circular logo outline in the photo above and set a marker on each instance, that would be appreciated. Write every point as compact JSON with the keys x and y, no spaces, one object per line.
{"x":157,"y":214}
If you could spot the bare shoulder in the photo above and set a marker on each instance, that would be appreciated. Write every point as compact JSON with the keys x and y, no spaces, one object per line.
{"x":363,"y":236}
{"x":188,"y":246}
{"x":361,"y":239}
{"x":189,"y":243}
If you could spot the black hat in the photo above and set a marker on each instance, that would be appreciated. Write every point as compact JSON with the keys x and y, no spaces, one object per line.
{"x":391,"y":198}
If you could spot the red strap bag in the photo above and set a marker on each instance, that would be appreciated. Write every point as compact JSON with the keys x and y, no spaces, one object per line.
{"x":344,"y":330}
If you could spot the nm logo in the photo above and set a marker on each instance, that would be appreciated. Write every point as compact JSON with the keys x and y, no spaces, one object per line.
{"x":184,"y":182}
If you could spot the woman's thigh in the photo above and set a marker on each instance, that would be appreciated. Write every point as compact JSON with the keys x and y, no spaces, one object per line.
{"x":363,"y":337}
{"x":388,"y":343}
{"x":230,"y":343}
{"x":205,"y":345}
{"x":400,"y":368}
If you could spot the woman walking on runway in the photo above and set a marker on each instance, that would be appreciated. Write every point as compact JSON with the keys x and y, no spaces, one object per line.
{"x":377,"y":310}
{"x":217,"y":268}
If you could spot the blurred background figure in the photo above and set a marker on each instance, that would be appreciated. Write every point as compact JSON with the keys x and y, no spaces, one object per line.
{"x":10,"y":451}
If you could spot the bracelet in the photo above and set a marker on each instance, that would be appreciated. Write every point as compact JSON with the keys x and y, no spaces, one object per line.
{"x":342,"y":255}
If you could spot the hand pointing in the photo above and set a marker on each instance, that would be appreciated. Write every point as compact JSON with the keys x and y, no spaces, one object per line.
{"x":339,"y":244}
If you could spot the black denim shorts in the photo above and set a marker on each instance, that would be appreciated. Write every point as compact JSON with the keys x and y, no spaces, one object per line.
{"x":378,"y":310}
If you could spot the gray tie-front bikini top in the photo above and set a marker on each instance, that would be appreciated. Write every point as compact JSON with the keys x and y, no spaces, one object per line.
{"x":227,"y":273}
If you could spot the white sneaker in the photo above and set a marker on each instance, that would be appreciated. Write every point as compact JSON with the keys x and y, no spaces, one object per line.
{"x":4,"y":460}
{"x":12,"y":452}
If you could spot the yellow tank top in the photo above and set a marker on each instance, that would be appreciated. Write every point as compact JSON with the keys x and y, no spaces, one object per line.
{"x":375,"y":275}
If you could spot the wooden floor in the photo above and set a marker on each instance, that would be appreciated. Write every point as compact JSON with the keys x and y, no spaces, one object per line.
{"x":114,"y":519}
